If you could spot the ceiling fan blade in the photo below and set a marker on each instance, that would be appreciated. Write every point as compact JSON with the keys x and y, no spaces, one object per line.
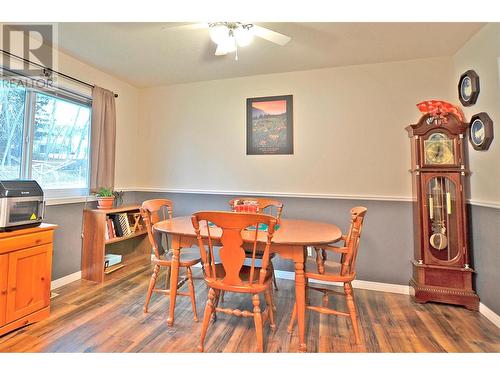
{"x":271,"y":35}
{"x":190,"y":26}
{"x":220,"y":51}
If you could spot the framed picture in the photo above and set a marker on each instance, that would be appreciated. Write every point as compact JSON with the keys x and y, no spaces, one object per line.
{"x":468,"y":88}
{"x":270,"y":125}
{"x":481,"y":131}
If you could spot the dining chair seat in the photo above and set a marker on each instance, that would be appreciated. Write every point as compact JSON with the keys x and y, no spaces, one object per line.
{"x":245,"y":278}
{"x":188,"y":257}
{"x":330,"y":267}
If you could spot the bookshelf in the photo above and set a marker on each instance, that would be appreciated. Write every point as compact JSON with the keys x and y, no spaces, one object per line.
{"x":98,"y":241}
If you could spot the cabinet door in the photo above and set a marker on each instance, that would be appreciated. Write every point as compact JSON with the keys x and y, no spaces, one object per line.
{"x":28,"y":281}
{"x":443,"y":217}
{"x":4,"y":268}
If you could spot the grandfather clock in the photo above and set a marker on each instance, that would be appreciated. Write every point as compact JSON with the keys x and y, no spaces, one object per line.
{"x":441,"y":268}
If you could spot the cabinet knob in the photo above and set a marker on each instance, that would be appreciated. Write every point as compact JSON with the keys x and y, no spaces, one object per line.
{"x":14,"y":289}
{"x":3,"y":292}
{"x":42,"y":278}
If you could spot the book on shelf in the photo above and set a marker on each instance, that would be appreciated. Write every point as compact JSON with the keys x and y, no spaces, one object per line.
{"x":125,"y":225}
{"x":112,"y":260}
{"x":110,"y":229}
{"x":116,"y":225}
{"x":113,"y":230}
{"x":121,"y":224}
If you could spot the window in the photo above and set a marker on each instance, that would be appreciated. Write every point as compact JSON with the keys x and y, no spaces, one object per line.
{"x":46,"y":137}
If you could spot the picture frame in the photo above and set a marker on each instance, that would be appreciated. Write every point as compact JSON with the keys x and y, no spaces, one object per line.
{"x":270,"y":125}
{"x":481,"y":131}
{"x":468,"y":88}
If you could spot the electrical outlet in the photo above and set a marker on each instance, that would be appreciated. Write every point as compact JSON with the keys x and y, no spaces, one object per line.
{"x":309,"y":251}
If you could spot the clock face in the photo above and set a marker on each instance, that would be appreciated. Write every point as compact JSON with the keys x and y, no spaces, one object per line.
{"x":477,"y":132}
{"x":438,"y":150}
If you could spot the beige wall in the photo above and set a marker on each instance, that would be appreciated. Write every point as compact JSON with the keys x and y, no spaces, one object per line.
{"x":482,"y":54}
{"x":127,"y":109}
{"x":127,"y":115}
{"x":348,"y":128}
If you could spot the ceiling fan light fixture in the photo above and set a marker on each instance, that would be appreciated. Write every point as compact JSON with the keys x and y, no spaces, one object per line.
{"x":228,"y":45}
{"x":244,"y":35}
{"x":219,"y":33}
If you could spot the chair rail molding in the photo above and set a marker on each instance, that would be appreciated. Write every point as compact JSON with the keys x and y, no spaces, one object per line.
{"x":389,"y":198}
{"x":271,"y":194}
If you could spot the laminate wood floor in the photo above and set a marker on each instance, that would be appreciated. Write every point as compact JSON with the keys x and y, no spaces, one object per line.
{"x":88,"y":317}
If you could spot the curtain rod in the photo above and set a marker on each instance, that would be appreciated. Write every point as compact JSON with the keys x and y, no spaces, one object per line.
{"x":51,"y":70}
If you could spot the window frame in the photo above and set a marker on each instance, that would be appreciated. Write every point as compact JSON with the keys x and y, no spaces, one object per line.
{"x":29,"y":132}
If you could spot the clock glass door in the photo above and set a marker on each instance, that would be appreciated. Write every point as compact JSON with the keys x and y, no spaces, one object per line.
{"x":442,"y":215}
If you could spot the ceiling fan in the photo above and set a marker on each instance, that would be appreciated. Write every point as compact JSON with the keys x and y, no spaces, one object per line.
{"x":228,"y":36}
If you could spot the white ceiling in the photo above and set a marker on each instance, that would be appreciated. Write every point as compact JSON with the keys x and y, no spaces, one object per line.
{"x":151,"y":54}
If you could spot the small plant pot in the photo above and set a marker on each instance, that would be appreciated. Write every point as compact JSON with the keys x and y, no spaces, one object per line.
{"x":105,"y":202}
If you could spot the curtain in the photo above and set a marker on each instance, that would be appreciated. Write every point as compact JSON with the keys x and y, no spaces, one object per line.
{"x":102,"y":139}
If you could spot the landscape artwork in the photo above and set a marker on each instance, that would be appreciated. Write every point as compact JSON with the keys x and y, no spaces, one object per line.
{"x":270,"y":125}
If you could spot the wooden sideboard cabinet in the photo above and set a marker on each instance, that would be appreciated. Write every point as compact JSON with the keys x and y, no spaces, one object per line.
{"x":25,"y":275}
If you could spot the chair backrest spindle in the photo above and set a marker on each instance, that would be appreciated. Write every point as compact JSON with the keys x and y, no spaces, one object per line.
{"x":152,"y":211}
{"x":352,"y":241}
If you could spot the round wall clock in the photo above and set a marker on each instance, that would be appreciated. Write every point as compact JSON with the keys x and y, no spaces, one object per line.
{"x":481,"y":131}
{"x":468,"y":88}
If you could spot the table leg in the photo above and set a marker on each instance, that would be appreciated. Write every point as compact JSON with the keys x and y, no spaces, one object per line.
{"x":300,"y":299}
{"x":174,"y":276}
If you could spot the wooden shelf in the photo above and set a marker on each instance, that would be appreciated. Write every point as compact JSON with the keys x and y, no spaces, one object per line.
{"x":114,"y":210}
{"x":123,"y":238}
{"x":95,"y":245}
{"x":127,"y":265}
{"x":113,"y":268}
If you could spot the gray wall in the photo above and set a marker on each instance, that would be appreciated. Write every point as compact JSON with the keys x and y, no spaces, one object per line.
{"x":386,"y":247}
{"x":484,"y":234}
{"x":387,"y":238}
{"x":66,"y":258}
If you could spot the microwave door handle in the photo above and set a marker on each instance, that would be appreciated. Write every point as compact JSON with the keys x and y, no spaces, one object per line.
{"x":41,"y":209}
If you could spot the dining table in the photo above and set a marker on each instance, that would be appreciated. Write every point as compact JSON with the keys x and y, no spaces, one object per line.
{"x":290,"y":241}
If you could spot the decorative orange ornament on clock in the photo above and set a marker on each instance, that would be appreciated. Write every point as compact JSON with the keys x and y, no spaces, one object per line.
{"x":439,"y":108}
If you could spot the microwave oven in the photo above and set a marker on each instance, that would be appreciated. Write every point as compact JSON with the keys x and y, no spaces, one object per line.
{"x":21,"y":204}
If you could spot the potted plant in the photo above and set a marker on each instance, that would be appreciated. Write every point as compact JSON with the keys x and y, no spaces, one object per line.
{"x":105,"y":198}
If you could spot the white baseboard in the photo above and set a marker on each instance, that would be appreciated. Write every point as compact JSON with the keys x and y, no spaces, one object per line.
{"x":65,"y":280}
{"x":489,"y":314}
{"x":359,"y":284}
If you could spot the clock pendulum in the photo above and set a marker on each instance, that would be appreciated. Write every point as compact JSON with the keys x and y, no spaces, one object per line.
{"x":438,"y":238}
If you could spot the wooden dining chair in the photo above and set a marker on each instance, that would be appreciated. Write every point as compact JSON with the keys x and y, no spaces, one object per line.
{"x":264,"y":204}
{"x":230,"y":274}
{"x":153,"y":211}
{"x":324,"y":269}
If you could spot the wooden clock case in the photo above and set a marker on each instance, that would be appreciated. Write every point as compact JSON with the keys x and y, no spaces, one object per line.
{"x":440,"y":276}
